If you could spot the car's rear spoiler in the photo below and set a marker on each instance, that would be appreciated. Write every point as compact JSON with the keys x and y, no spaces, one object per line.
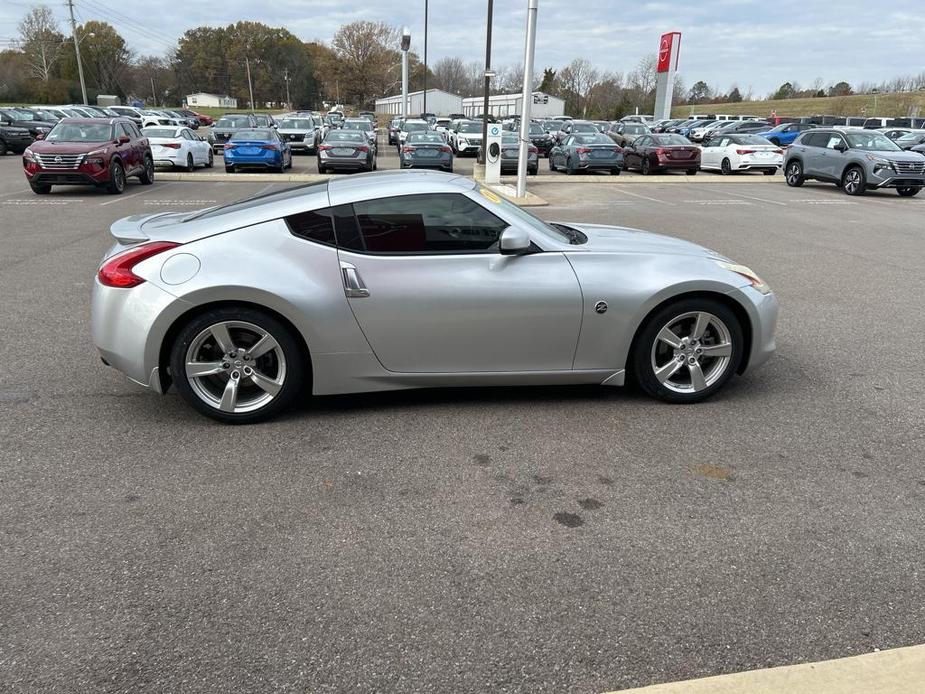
{"x":127,"y":230}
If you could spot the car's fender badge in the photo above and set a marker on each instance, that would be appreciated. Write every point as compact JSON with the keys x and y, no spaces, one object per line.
{"x":600,"y":307}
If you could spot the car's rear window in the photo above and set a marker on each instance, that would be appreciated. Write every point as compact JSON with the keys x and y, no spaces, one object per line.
{"x":296,"y":124}
{"x":251,"y":135}
{"x":159,"y":132}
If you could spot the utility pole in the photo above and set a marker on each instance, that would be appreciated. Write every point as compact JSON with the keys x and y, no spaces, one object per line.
{"x":526,"y":98}
{"x":250,"y":87}
{"x":153,"y":92}
{"x":425,"y":56}
{"x":80,"y":67}
{"x":491,"y":5}
{"x":405,"y":45}
{"x":286,"y":77}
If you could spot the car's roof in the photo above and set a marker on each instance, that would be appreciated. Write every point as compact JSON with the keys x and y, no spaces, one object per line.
{"x":95,"y":121}
{"x":389,"y":183}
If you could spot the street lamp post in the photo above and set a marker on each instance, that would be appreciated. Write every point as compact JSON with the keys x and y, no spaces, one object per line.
{"x":526,"y":98}
{"x":405,"y":45}
{"x":250,"y":86}
{"x":80,"y":66}
{"x":488,"y":76}
{"x":425,"y":56}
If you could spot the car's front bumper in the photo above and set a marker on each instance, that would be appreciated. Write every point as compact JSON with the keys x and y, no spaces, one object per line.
{"x":762,"y":311}
{"x":18,"y":143}
{"x":890,"y":178}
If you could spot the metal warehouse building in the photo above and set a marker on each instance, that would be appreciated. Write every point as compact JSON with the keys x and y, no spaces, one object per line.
{"x":438,"y":101}
{"x":501,"y":105}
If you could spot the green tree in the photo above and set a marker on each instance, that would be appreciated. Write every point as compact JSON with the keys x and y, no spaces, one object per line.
{"x":735,"y":96}
{"x":41,"y":42}
{"x":840,"y":89}
{"x":549,"y":84}
{"x":785,"y":91}
{"x":105,"y":58}
{"x":699,"y":93}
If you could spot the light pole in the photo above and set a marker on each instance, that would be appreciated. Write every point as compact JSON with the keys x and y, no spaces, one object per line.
{"x":250,"y":87}
{"x":488,"y":75}
{"x":405,"y":45}
{"x":425,"y":56}
{"x":526,"y":98}
{"x":80,"y":66}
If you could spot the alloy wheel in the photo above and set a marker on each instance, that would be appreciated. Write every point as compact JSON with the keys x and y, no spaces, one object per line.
{"x":235,"y":366}
{"x":794,"y":174}
{"x":691,"y":352}
{"x":852,"y":183}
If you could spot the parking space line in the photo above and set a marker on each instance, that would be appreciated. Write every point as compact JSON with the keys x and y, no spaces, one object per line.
{"x":748,"y":197}
{"x":643,"y":197}
{"x":133,"y":195}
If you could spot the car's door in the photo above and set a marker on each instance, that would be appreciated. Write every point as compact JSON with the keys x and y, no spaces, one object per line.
{"x":708,"y":151}
{"x":433,"y":294}
{"x":128,"y":151}
{"x":811,"y":149}
{"x":832,"y":160}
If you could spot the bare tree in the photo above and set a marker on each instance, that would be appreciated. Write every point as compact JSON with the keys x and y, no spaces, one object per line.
{"x":576,"y":79}
{"x":41,"y":41}
{"x":450,"y":75}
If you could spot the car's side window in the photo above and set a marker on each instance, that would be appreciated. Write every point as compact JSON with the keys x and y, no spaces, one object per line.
{"x":833,"y":141}
{"x":314,"y":225}
{"x":420,"y":224}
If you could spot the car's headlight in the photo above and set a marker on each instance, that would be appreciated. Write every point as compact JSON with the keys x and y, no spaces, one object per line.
{"x":28,"y":155}
{"x":879,"y":162}
{"x":748,"y":274}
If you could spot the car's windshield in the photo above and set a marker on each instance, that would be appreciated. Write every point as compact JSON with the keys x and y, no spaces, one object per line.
{"x":242,"y":135}
{"x":911,"y":138}
{"x":262,"y":120}
{"x":536,"y":129}
{"x":509,"y":138}
{"x":874,"y":142}
{"x":598,"y":139}
{"x":670,"y":140}
{"x":17,"y":114}
{"x":418,"y":138}
{"x":233,"y":122}
{"x":358,"y":124}
{"x":469,"y":127}
{"x":527,"y":219}
{"x":751,"y":140}
{"x":635,"y":129}
{"x":584,"y":128}
{"x":160,"y":132}
{"x":414,"y":127}
{"x":296,"y":124}
{"x":80,"y":132}
{"x":344,"y":136}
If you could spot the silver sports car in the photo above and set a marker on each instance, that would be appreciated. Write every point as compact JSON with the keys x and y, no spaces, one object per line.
{"x":409,"y":280}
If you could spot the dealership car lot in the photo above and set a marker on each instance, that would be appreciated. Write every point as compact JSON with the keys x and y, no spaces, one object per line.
{"x":541,"y":540}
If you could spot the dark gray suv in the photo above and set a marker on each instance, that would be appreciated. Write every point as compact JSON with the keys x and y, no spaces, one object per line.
{"x":854,"y":160}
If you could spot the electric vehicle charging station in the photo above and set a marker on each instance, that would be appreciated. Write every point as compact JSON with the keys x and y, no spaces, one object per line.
{"x":492,"y":147}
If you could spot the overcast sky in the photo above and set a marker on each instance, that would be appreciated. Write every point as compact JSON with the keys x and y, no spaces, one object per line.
{"x":755,"y":45}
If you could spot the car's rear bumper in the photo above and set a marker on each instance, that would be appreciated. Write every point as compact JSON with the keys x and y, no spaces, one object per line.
{"x":271,"y":159}
{"x":681,"y":165}
{"x":593,"y":164}
{"x":346,"y":164}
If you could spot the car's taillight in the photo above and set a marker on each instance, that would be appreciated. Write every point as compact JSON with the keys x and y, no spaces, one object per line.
{"x":171,"y":145}
{"x":273,"y":148}
{"x":744,"y":151}
{"x":660,"y":151}
{"x":117,"y":271}
{"x":407,"y":150}
{"x":778,"y":151}
{"x":533,"y":150}
{"x":362,"y":148}
{"x":325,"y":148}
{"x":583,"y":150}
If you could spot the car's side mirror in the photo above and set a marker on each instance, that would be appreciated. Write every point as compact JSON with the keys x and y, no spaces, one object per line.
{"x":123,"y":139}
{"x":514,"y":241}
{"x":841,"y":147}
{"x":40,"y":136}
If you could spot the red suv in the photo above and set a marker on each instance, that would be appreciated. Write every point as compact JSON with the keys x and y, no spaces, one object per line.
{"x":101,"y":152}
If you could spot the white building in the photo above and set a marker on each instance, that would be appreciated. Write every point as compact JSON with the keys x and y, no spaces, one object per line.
{"x":211,"y":100}
{"x":502,"y":105}
{"x":438,"y":101}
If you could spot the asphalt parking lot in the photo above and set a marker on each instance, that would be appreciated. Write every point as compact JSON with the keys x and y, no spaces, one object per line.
{"x":505,"y":540}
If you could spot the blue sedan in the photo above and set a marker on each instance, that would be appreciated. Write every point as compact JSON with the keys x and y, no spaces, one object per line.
{"x":785,"y":133}
{"x":259,"y":148}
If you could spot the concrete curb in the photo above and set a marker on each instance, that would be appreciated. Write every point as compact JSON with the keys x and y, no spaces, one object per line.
{"x":510,"y":193}
{"x":897,"y":671}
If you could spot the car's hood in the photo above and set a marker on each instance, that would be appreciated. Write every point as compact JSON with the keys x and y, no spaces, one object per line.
{"x":603,"y":238}
{"x":295,"y":131}
{"x":46,"y":147}
{"x":899,"y":156}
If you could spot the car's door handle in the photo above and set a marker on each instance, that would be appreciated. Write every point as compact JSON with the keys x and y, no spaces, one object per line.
{"x":353,"y":284}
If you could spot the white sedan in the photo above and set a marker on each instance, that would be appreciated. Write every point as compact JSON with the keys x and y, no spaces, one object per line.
{"x":731,"y":153}
{"x":179,"y":147}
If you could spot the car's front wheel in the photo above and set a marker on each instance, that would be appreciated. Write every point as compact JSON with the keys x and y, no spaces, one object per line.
{"x":687,"y":350}
{"x":40,"y":188}
{"x":237,"y":365}
{"x":853,"y":181}
{"x":116,"y":177}
{"x":909,"y":191}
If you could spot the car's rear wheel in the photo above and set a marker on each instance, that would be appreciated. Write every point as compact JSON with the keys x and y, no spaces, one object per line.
{"x":692,"y":172}
{"x":774,"y":141}
{"x":726,"y":167}
{"x":770,"y":172}
{"x":794,"y":175}
{"x":237,"y":365}
{"x":211,"y":161}
{"x":229,"y":169}
{"x":853,"y":181}
{"x":147,"y":171}
{"x":116,"y":177}
{"x":615,"y":171}
{"x":3,"y":148}
{"x":646,"y":167}
{"x":687,"y":350}
{"x":568,"y":167}
{"x":40,"y":188}
{"x":190,"y":165}
{"x":909,"y":191}
{"x":552,"y":167}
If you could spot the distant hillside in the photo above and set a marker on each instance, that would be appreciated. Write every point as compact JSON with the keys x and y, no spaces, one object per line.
{"x":871,"y":105}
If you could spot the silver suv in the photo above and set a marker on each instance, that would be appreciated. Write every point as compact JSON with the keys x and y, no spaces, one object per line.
{"x":854,"y":160}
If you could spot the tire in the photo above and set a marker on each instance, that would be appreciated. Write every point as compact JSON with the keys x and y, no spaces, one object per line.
{"x":853,"y":181}
{"x":654,"y":361}
{"x":116,"y":178}
{"x":770,"y":172}
{"x":774,"y":141}
{"x":691,"y":172}
{"x":281,"y":369}
{"x":229,"y":169}
{"x":646,"y":169}
{"x":190,"y":165}
{"x":794,"y":174}
{"x":534,"y":171}
{"x":3,"y":148}
{"x":616,"y":171}
{"x":552,"y":167}
{"x":147,"y":172}
{"x":725,"y":168}
{"x":40,"y":188}
{"x":569,"y":171}
{"x":211,"y":161}
{"x":908,"y":191}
